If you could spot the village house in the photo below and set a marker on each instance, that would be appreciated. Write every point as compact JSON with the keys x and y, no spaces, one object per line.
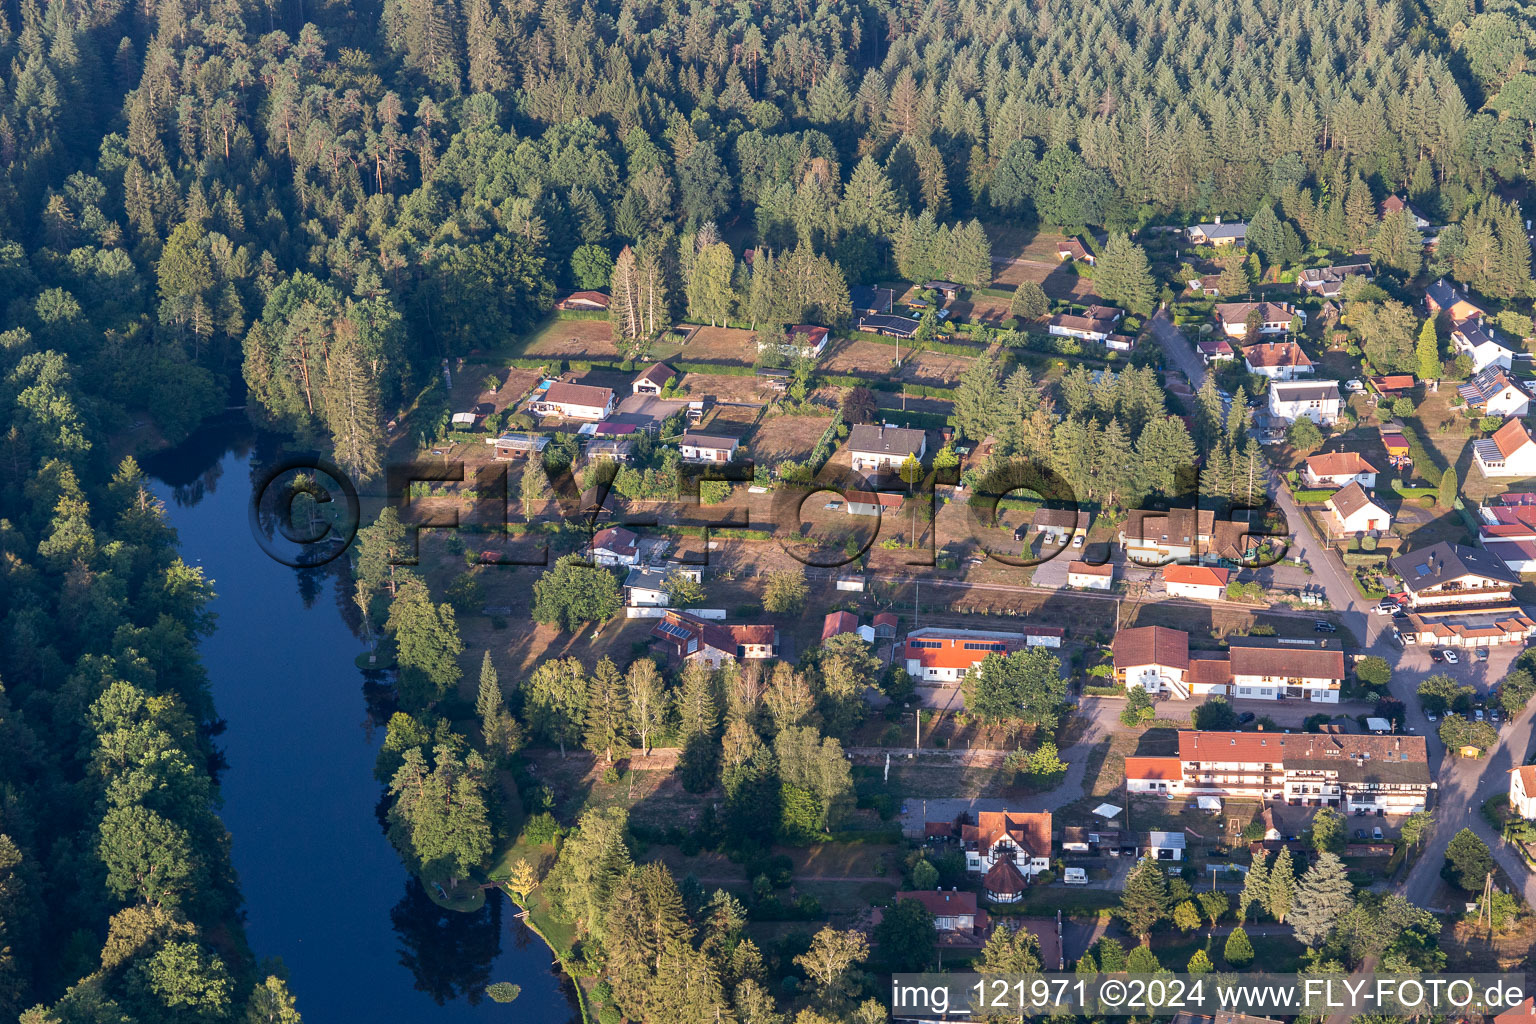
{"x":1522,"y":791}
{"x":1217,"y":233}
{"x":935,"y":654}
{"x":885,"y":625}
{"x":948,"y":289}
{"x":869,"y":300}
{"x":888,"y":325}
{"x":1277,"y":360}
{"x":1510,"y":452}
{"x":1274,"y":317}
{"x":615,"y":546}
{"x":1450,"y":576}
{"x":1397,"y":204}
{"x":1067,"y":325}
{"x":1206,"y":285}
{"x":696,"y":447}
{"x":1493,"y":392}
{"x":652,"y":380}
{"x":1168,"y":846}
{"x":573,"y":402}
{"x":586,"y":302}
{"x":1120,"y":343}
{"x":688,"y":638}
{"x":1091,"y":577}
{"x":1264,"y":670}
{"x":1443,"y":298}
{"x":1215,"y":350}
{"x":1481,"y":344}
{"x":870,"y":503}
{"x":837,"y":623}
{"x":1059,"y":525}
{"x":1351,"y":511}
{"x":877,"y":448}
{"x":1373,"y":774}
{"x":1328,"y":282}
{"x":1338,"y":469}
{"x":1074,"y":249}
{"x":610,"y":448}
{"x":955,"y":917}
{"x":646,"y":585}
{"x":808,"y":340}
{"x":1179,"y":534}
{"x":1317,"y":401}
{"x":1200,"y":582}
{"x":1020,"y":840}
{"x":1154,"y":658}
{"x":514,"y":445}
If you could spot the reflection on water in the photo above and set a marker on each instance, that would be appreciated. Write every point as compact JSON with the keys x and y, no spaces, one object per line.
{"x":448,"y":953}
{"x":323,"y":887}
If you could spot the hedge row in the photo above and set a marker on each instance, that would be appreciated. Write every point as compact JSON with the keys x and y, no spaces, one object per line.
{"x":1421,"y":460}
{"x":581,"y":314}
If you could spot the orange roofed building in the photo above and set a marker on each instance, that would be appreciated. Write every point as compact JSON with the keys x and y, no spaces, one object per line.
{"x":1016,"y":837}
{"x":1200,"y":582}
{"x":1360,"y":774}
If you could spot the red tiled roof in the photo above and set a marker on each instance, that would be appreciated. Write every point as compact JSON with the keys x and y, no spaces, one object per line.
{"x":1195,"y":575}
{"x":1286,"y":661}
{"x":1276,"y":353}
{"x":1211,"y":668}
{"x":1030,"y":832}
{"x":954,"y":653}
{"x":885,"y":619}
{"x":1341,"y":463}
{"x":1267,"y":747}
{"x":616,"y":539}
{"x":562,"y":393}
{"x":943,"y":904}
{"x":1511,"y":437}
{"x":1003,"y":878}
{"x":1151,"y":645}
{"x":1166,"y":769}
{"x":839,"y":622}
{"x":1085,"y":569}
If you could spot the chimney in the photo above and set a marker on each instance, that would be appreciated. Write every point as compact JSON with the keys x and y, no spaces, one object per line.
{"x":1218,"y":220}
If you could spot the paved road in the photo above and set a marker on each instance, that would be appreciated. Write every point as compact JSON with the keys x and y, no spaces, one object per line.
{"x":1177,"y":348}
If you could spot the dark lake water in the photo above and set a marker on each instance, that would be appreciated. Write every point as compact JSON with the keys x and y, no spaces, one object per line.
{"x":323,"y":888}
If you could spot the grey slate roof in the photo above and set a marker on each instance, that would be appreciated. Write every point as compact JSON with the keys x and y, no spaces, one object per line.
{"x":1443,"y":562}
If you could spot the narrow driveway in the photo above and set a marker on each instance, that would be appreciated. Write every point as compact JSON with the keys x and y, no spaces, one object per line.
{"x":1177,"y":348}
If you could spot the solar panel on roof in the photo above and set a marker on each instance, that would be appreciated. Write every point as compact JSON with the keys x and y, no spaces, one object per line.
{"x":673,"y":629}
{"x":1422,"y":569}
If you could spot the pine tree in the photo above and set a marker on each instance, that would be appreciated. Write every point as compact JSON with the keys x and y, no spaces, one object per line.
{"x":696,"y":703}
{"x":1282,"y":886}
{"x":1200,"y":963}
{"x":869,"y":201}
{"x":1323,"y":896}
{"x":1255,"y":887}
{"x":488,"y":698}
{"x":1359,"y":213}
{"x":1238,"y":952}
{"x":607,"y":712}
{"x":978,"y":399}
{"x":710,"y":295}
{"x":1029,"y":301}
{"x":1428,"y":351}
{"x":1208,"y":415}
{"x":1144,"y":901}
{"x":624,"y":299}
{"x":1123,"y":276}
{"x":1233,"y":281}
{"x":1448,"y":488}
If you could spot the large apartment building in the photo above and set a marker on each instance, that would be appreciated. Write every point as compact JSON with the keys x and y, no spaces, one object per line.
{"x":1373,"y":774}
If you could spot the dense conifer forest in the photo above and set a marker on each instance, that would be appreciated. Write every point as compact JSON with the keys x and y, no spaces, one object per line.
{"x":305,"y":207}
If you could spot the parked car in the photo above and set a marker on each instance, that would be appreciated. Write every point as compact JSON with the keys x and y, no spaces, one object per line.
{"x":1354,"y":387}
{"x":1376,"y":833}
{"x":1493,"y":715}
{"x":1385,"y":608}
{"x":1431,"y":716}
{"x":1359,"y":833}
{"x":1477,"y":716}
{"x":1451,"y":657}
{"x":1245,"y":717}
{"x":1482,"y":654}
{"x":1435,"y":655}
{"x":1077,"y":541}
{"x":1324,"y":627}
